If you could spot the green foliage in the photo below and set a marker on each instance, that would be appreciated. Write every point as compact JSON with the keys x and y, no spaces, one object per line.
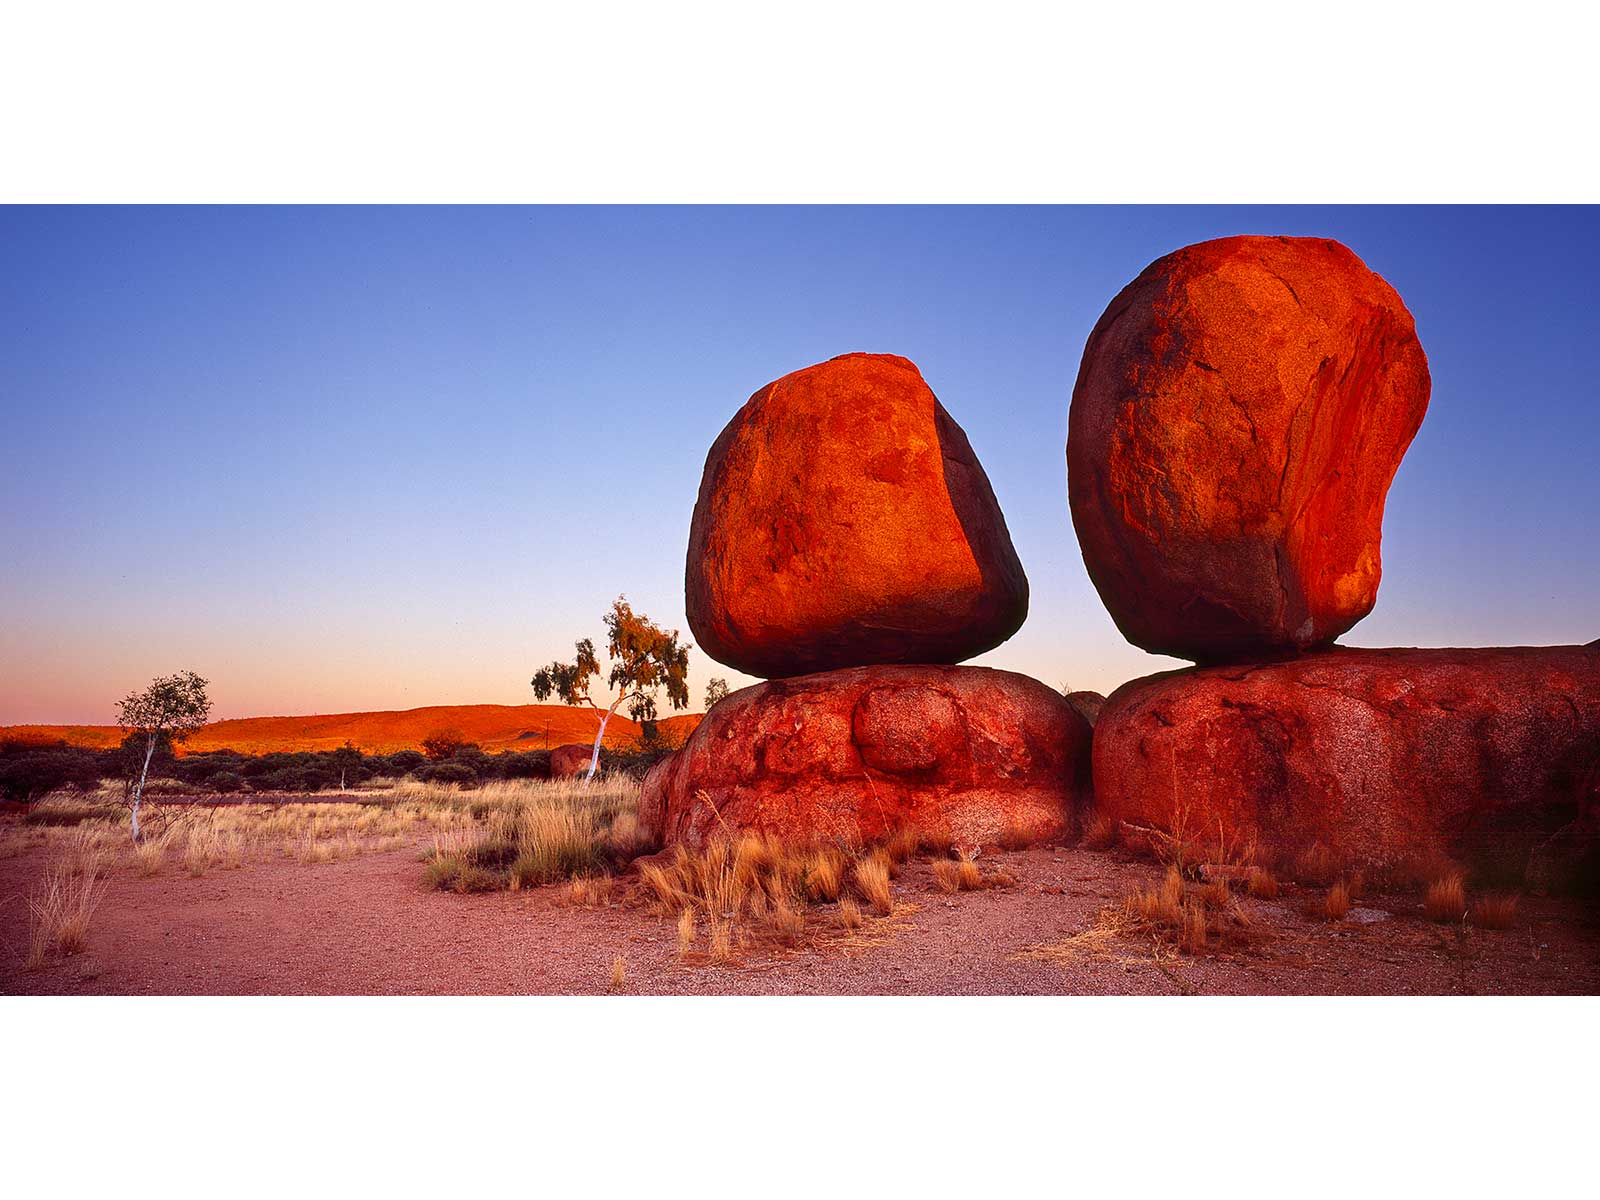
{"x":569,"y":681}
{"x":449,"y":772}
{"x":31,"y":775}
{"x":445,"y":743}
{"x":716,"y":692}
{"x":645,"y":659}
{"x":453,"y":873}
{"x":176,"y":705}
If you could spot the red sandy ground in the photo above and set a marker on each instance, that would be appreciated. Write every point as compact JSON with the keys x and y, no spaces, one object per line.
{"x":493,"y":726}
{"x":366,"y":926}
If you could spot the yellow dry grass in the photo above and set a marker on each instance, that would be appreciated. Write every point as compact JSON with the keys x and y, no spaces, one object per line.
{"x":953,"y":875}
{"x":1494,"y":911}
{"x":1260,"y":884}
{"x":1337,"y":902}
{"x":1446,"y":899}
{"x":754,"y":890}
{"x":872,"y":881}
{"x":1101,"y":834}
{"x":1190,"y":917}
{"x":61,"y":908}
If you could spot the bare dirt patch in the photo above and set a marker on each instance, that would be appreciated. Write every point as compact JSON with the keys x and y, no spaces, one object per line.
{"x":367,"y":925}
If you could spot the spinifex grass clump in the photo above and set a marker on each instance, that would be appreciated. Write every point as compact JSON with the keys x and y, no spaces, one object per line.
{"x":957,"y":874}
{"x":1446,"y":898}
{"x":59,"y":912}
{"x":534,"y":835}
{"x":1189,"y":916}
{"x":739,"y":891}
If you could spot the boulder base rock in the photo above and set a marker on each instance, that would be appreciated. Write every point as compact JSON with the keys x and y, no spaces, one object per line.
{"x":844,"y":520}
{"x":1386,"y":759}
{"x":852,"y":755}
{"x":566,"y":761}
{"x":1240,"y":412}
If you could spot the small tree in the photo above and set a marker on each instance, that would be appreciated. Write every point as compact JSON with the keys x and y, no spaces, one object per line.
{"x":644,"y":658}
{"x":444,"y":744}
{"x":716,"y":692}
{"x":346,"y":758}
{"x":172,"y":707}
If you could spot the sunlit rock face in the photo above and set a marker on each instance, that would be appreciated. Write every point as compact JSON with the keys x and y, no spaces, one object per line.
{"x":1385,"y":759}
{"x":844,"y":520}
{"x":1241,"y":409}
{"x":853,"y":755}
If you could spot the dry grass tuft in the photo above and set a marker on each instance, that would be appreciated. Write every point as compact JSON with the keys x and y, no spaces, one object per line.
{"x":1260,"y":884}
{"x":1316,"y":866}
{"x":1446,"y":899}
{"x":1162,"y":905}
{"x":150,"y":856}
{"x":1337,"y":902}
{"x":1215,"y":894}
{"x":1494,"y":911}
{"x":757,"y":890}
{"x":850,"y":914}
{"x":721,"y":942}
{"x":872,"y":881}
{"x":59,"y":915}
{"x":1014,"y":837}
{"x":686,"y":932}
{"x":824,"y":873}
{"x":590,"y":891}
{"x":1101,"y":834}
{"x":937,"y":839}
{"x":619,"y":974}
{"x":903,"y":843}
{"x":1191,"y":917}
{"x":958,"y":875}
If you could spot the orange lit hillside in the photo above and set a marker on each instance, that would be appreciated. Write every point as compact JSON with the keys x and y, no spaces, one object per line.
{"x":495,"y":727}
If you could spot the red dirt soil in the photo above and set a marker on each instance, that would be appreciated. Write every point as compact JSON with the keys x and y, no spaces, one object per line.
{"x":495,"y":727}
{"x":366,"y":926}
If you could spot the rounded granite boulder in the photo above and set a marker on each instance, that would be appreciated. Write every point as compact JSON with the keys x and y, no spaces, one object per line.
{"x":855,"y":754}
{"x":1240,"y":412}
{"x":843,"y":520}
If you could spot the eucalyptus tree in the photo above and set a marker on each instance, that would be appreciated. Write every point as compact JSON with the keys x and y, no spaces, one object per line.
{"x":645,"y":659}
{"x":170,"y":709}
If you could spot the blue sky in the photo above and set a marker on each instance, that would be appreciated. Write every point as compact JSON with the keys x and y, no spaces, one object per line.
{"x":358,"y":458}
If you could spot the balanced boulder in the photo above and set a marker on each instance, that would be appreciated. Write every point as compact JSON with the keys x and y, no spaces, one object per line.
{"x":844,"y":520}
{"x":852,"y":755}
{"x":1371,"y":758}
{"x":1240,"y":412}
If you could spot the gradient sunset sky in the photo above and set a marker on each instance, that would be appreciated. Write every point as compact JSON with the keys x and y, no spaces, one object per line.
{"x":353,"y":458}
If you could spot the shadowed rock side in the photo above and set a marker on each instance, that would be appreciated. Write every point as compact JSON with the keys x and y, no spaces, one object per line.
{"x":843,"y":520}
{"x":1240,"y":412}
{"x":855,"y":754}
{"x":1386,"y":758}
{"x":1087,"y":703}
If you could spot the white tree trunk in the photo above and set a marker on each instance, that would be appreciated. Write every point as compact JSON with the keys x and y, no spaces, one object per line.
{"x":138,"y":788}
{"x":594,"y":759}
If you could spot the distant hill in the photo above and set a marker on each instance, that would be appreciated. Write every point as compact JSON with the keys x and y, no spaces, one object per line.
{"x":495,"y":727}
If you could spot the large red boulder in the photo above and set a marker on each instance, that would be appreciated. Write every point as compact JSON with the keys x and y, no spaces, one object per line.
{"x":1240,"y":411}
{"x":1374,"y":758}
{"x":853,"y":755}
{"x":844,"y":520}
{"x":567,"y":761}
